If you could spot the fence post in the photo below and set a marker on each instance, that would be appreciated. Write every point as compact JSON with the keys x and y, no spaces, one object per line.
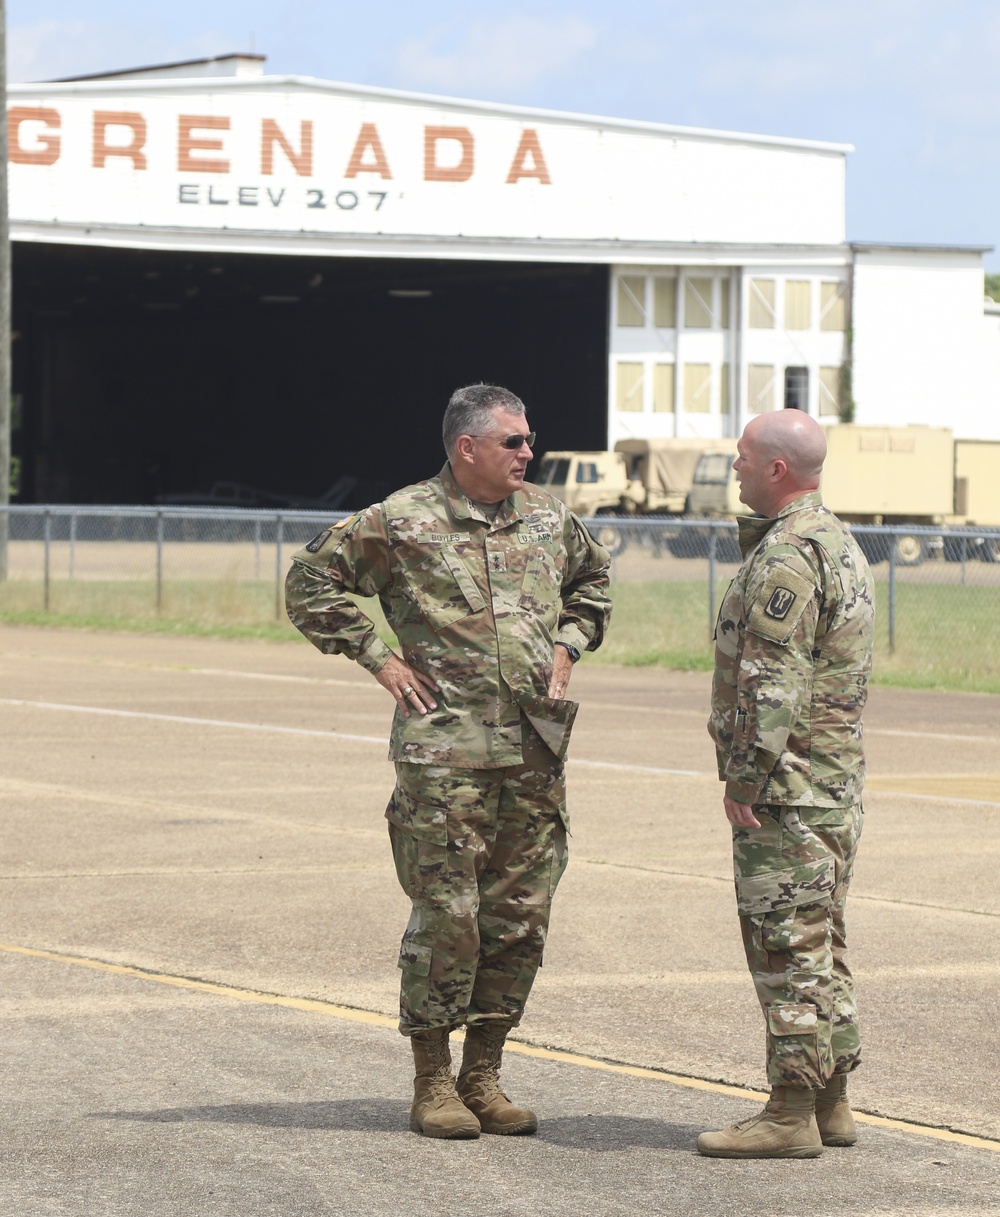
{"x":711,"y":578}
{"x":892,"y":592}
{"x":159,"y":562}
{"x":72,"y":544}
{"x":256,"y":547}
{"x":48,"y":555}
{"x":279,"y":536}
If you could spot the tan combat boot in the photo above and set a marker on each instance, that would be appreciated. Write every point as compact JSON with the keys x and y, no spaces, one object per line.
{"x":437,"y":1110}
{"x":786,"y":1128}
{"x":479,"y":1083}
{"x":833,"y":1113}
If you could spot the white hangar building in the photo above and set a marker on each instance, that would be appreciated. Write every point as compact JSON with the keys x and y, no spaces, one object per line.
{"x":221,"y":274}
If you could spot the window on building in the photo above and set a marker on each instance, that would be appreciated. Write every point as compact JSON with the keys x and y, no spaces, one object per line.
{"x":829,"y":391}
{"x":760,"y":388}
{"x":663,"y":388}
{"x":632,"y":300}
{"x":797,"y":389}
{"x":697,"y":388}
{"x":761,"y":311}
{"x":665,"y":302}
{"x":628,"y":387}
{"x":832,"y":312}
{"x":698,"y":304}
{"x":797,"y":310}
{"x":724,"y":389}
{"x":724,"y":303}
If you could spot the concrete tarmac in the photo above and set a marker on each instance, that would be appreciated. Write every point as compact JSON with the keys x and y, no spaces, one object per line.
{"x":199,"y":907}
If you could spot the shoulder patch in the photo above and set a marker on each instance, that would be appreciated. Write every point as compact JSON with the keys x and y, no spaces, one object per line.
{"x":345,"y":521}
{"x":780,"y":604}
{"x":781,"y":601}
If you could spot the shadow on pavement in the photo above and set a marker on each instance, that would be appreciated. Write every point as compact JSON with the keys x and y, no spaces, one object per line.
{"x":601,"y":1132}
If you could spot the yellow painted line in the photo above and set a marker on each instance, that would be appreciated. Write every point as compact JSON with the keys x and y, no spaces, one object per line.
{"x":349,"y":1014}
{"x":204,"y":986}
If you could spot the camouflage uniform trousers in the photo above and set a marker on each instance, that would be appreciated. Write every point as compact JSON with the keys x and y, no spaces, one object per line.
{"x":792,"y":877}
{"x":480,"y":853}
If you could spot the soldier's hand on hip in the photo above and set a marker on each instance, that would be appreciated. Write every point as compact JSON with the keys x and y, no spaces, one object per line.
{"x":740,"y":814}
{"x":411,"y":689}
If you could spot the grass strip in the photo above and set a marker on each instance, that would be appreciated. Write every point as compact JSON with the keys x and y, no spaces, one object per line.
{"x":946,"y":637}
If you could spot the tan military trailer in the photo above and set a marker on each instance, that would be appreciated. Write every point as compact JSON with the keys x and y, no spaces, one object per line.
{"x":887,"y":475}
{"x":640,"y":477}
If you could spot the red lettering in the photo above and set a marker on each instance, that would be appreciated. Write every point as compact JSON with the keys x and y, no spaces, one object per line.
{"x":48,"y":151}
{"x":435,"y":172}
{"x":187,"y":144}
{"x":133,"y":150}
{"x":368,"y":141}
{"x":529,"y":147}
{"x":271,"y":134}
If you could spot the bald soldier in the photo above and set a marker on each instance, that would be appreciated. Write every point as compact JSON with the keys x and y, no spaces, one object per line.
{"x":793,"y":652}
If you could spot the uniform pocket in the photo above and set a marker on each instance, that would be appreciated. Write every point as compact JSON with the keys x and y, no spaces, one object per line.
{"x":792,"y":1020}
{"x":422,"y":821}
{"x":541,"y":582}
{"x":807,"y":883}
{"x":444,"y":589}
{"x":415,"y":957}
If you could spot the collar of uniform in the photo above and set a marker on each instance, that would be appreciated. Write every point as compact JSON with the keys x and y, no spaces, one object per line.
{"x":753,"y":529}
{"x":511,"y":509}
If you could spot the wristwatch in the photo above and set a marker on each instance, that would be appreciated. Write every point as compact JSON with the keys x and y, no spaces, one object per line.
{"x":574,"y":654}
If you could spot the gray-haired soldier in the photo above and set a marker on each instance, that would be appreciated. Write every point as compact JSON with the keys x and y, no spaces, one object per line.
{"x":793,"y":652}
{"x":493,"y":589}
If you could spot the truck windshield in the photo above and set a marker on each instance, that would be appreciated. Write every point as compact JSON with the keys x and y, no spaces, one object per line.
{"x":553,"y":472}
{"x":713,"y":469}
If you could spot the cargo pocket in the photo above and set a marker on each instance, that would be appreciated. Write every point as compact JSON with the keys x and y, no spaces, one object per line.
{"x":807,"y":883}
{"x":793,"y":1048}
{"x":415,"y":965}
{"x":792,"y":1020}
{"x":419,"y":836}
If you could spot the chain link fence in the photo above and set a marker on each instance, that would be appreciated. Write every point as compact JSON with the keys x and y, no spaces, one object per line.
{"x":938,"y":593}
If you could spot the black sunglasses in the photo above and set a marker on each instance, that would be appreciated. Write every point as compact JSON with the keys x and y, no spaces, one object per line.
{"x":512,"y":442}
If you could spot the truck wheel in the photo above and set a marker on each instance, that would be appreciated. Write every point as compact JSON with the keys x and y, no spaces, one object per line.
{"x":989,"y":550}
{"x":910,"y":550}
{"x":611,"y":536}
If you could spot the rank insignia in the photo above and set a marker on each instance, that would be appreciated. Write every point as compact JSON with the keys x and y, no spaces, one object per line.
{"x":317,"y":543}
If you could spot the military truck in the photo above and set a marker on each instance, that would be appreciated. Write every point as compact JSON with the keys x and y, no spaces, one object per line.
{"x":640,"y":477}
{"x":886,"y":475}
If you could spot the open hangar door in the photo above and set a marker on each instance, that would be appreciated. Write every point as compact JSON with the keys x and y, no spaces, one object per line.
{"x":146,"y":374}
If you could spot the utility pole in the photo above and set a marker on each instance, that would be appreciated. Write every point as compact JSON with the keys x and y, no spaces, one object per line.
{"x":4,"y":306}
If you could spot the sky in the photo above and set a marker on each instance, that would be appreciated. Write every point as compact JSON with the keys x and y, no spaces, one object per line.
{"x":913,"y":85}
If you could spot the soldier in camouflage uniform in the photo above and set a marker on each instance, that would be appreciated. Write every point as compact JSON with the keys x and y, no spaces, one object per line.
{"x":493,"y":589}
{"x":792,"y":661}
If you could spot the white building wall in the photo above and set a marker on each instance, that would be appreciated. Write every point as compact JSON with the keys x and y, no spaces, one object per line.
{"x":919,"y":354}
{"x":286,"y":157}
{"x":991,"y":361}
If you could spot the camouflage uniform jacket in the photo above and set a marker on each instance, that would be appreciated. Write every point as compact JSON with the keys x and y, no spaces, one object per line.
{"x":477,"y":606}
{"x":793,"y":653}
